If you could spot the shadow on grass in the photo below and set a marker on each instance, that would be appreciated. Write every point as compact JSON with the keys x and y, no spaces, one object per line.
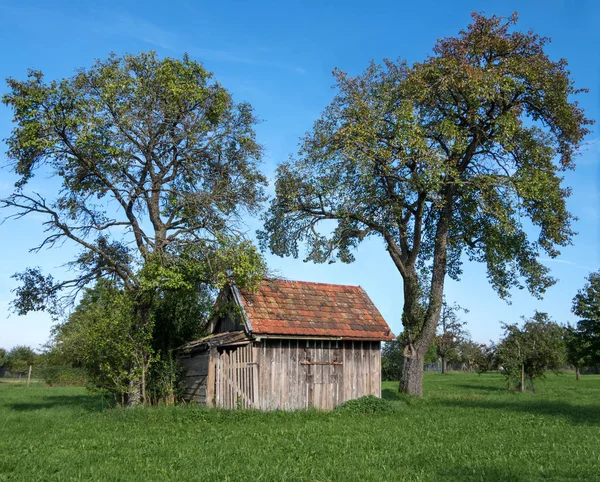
{"x":480,"y":388}
{"x":467,"y":473}
{"x":576,"y":414}
{"x":87,"y":403}
{"x":391,"y":394}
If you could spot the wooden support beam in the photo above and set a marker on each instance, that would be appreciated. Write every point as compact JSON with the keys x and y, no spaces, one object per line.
{"x":320,"y":363}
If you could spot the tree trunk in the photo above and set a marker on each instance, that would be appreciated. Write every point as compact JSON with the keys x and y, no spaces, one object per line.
{"x":522,"y":378}
{"x":444,"y":365}
{"x":135,"y":396}
{"x":577,"y":373}
{"x":421,"y":326}
{"x":140,"y":360}
{"x":412,"y":373}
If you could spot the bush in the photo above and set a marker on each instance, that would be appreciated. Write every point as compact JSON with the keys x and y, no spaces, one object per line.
{"x":367,"y":405}
{"x":62,"y":376}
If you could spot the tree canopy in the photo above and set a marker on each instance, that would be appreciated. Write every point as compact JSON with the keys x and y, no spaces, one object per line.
{"x":531,"y":350}
{"x":453,"y":158}
{"x":586,"y":306}
{"x":156,"y":166}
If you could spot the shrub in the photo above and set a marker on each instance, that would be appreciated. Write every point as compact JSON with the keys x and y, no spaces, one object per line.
{"x":62,"y":376}
{"x":367,"y":405}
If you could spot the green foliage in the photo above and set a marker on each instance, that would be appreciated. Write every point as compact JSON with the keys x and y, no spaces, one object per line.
{"x":103,"y":337}
{"x":62,"y":376}
{"x":367,"y":405}
{"x":20,"y":358}
{"x":431,"y":356}
{"x":532,"y":350}
{"x":466,"y":428}
{"x":578,"y":348}
{"x":392,"y":360}
{"x":484,"y":358}
{"x":164,"y":379}
{"x":586,"y":306}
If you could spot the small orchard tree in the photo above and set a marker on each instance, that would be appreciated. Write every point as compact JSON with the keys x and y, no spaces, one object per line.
{"x":529,"y":351}
{"x":20,"y":358}
{"x":443,"y":160}
{"x":485,"y":358}
{"x":451,"y":333}
{"x":586,"y":306}
{"x":467,"y":352}
{"x":578,"y":349}
{"x":155,"y":164}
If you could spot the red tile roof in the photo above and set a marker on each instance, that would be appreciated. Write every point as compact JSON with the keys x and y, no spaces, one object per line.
{"x":300,"y":308}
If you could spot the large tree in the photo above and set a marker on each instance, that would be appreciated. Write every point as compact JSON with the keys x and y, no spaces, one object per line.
{"x":154,"y":166}
{"x":586,"y":306}
{"x":456,"y":157}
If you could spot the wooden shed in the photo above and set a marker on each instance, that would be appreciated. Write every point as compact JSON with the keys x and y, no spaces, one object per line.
{"x":289,"y":345}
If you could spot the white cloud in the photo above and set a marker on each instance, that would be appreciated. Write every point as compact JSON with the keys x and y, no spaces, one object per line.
{"x":564,"y":261}
{"x":126,"y":25}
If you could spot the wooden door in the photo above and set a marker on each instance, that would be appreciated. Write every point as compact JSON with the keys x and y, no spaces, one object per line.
{"x":236,"y":378}
{"x":324,"y":376}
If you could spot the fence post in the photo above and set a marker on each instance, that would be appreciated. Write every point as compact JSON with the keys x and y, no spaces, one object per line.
{"x":29,"y":376}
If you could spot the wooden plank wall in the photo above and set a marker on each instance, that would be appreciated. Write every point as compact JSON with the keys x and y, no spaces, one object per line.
{"x":297,"y":374}
{"x":195,"y":375}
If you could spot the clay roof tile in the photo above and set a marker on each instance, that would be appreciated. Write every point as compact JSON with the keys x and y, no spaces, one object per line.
{"x":313,"y":309}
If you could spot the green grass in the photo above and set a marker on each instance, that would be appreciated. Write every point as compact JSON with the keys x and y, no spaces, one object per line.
{"x":467,"y":427}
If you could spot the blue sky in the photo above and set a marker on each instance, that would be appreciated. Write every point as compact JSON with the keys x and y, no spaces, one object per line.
{"x":279,"y":57}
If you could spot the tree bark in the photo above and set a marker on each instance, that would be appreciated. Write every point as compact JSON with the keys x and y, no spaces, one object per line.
{"x":412,"y":373}
{"x":444,"y":365}
{"x":134,"y":396}
{"x":577,"y":373}
{"x":522,"y":378}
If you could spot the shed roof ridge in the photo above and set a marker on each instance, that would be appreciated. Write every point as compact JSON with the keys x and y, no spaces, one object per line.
{"x":312,"y":283}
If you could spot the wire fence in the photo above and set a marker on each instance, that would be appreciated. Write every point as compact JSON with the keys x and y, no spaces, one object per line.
{"x":13,"y":374}
{"x":48,"y":374}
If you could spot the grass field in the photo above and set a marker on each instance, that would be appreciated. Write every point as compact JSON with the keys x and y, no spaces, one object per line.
{"x":467,"y":427}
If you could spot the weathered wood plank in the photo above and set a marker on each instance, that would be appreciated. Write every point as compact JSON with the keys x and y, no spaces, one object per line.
{"x":327,"y":380}
{"x":282,"y":367}
{"x":293,"y":375}
{"x":364,"y":368}
{"x":302,"y":372}
{"x":254,"y":376}
{"x":310,"y":374}
{"x":210,"y":379}
{"x":335,"y":370}
{"x":375,"y":369}
{"x":219,"y":377}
